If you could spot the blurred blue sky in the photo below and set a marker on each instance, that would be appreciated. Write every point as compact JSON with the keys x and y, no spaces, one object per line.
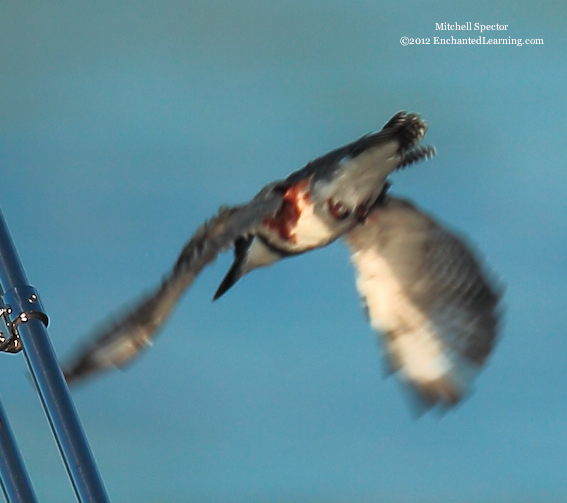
{"x":125,"y":124}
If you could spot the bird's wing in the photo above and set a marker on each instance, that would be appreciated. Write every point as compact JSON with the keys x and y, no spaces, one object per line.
{"x":430,"y":297}
{"x":122,"y":340}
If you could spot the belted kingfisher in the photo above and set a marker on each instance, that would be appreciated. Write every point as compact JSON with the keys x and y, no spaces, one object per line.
{"x":309,"y":209}
{"x":329,"y":196}
{"x":429,"y":297}
{"x":423,"y":288}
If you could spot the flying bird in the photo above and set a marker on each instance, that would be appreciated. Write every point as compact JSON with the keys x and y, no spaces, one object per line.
{"x":429,"y":297}
{"x":311,"y":208}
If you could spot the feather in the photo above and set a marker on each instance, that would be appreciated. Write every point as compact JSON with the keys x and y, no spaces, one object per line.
{"x":428,"y":295}
{"x":121,"y":341}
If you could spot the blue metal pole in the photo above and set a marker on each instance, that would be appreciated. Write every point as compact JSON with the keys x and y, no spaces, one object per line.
{"x":16,"y":484}
{"x":28,"y":318}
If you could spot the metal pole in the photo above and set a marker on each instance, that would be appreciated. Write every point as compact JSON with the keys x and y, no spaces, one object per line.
{"x":28,"y":318}
{"x":15,"y":480}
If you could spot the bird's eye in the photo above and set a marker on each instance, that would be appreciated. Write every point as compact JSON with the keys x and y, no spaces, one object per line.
{"x":338,"y":210}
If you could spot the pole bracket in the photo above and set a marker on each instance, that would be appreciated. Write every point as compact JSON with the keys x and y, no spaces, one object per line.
{"x":19,"y":305}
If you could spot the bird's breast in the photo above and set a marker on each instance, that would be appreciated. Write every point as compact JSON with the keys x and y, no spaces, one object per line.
{"x":296,"y":227}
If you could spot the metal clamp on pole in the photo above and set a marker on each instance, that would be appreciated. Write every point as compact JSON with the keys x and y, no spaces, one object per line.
{"x":27,"y":326}
{"x":9,"y":343}
{"x":16,"y":311}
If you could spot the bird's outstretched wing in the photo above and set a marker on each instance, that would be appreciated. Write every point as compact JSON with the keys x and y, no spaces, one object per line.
{"x":121,"y":341}
{"x":429,"y":296}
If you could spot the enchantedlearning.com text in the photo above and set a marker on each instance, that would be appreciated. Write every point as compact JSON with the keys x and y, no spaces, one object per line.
{"x":498,"y":38}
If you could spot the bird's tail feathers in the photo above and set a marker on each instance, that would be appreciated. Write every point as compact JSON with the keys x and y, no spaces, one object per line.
{"x":417,"y":154}
{"x":407,"y":129}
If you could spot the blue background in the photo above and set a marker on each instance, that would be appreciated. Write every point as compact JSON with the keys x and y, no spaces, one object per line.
{"x":124,"y":125}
